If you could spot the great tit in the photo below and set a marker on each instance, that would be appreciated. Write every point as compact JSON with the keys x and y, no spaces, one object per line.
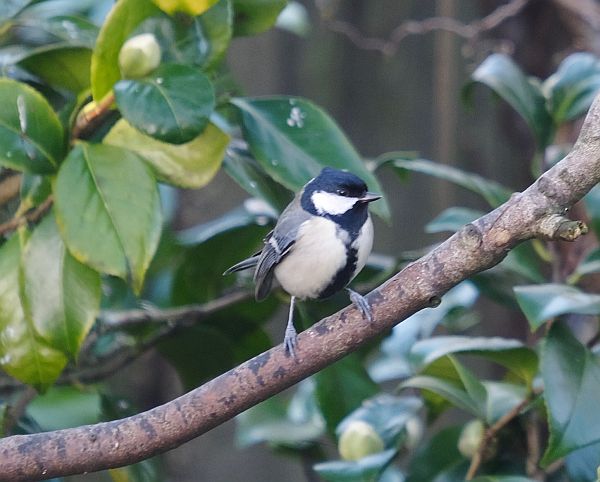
{"x":319,"y":244}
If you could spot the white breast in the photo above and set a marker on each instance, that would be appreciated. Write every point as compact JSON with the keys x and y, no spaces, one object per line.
{"x":314,"y":259}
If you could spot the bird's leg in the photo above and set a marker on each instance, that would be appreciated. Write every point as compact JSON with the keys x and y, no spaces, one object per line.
{"x":289,"y":340}
{"x":361,"y":303}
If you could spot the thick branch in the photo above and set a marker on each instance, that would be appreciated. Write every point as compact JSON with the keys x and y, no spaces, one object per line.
{"x":476,"y":247}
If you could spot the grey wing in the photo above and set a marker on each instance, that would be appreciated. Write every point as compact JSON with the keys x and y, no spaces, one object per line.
{"x":278,"y":244}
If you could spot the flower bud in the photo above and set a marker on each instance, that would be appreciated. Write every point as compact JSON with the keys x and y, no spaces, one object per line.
{"x":414,"y":432}
{"x":139,"y":56}
{"x":358,"y":440}
{"x":470,"y":438}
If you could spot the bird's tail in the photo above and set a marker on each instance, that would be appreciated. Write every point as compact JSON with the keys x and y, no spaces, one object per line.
{"x":242,"y":265}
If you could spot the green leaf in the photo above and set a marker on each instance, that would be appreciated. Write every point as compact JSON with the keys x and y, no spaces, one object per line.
{"x":108,"y":210}
{"x":251,"y":177}
{"x":494,"y":193}
{"x":508,"y":81}
{"x":582,"y":464}
{"x":24,"y":354}
{"x":543,"y":302}
{"x":293,"y":140}
{"x":189,"y":165}
{"x":439,"y":460}
{"x":172,"y":104}
{"x":121,"y":21}
{"x":452,"y":219}
{"x":252,"y":212}
{"x":501,"y":398}
{"x":341,"y":388}
{"x":31,"y":136}
{"x":67,"y":68}
{"x":572,"y":88}
{"x":256,"y":16}
{"x":571,"y":375}
{"x":61,"y":295}
{"x":35,"y":189}
{"x":590,"y":264}
{"x":366,"y":469}
{"x":65,"y":407}
{"x":275,"y":421}
{"x":201,"y":40}
{"x":10,"y":8}
{"x":507,"y":352}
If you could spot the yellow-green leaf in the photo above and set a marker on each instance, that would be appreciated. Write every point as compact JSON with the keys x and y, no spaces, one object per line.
{"x":189,"y":165}
{"x":191,"y":7}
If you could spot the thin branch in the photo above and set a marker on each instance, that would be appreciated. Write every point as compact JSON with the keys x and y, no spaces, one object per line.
{"x":29,"y":217}
{"x":17,"y":409}
{"x":470,"y":31}
{"x":476,"y":247}
{"x":92,"y":114}
{"x":490,"y":434}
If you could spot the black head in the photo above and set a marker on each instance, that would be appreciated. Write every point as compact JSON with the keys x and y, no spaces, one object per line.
{"x":338,"y":182}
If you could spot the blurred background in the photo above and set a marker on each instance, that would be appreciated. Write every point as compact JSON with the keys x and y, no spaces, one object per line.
{"x":391,"y":73}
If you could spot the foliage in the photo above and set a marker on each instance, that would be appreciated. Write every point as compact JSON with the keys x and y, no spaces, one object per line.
{"x":100,"y":149}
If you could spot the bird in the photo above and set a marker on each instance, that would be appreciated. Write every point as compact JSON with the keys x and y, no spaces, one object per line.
{"x":319,"y":244}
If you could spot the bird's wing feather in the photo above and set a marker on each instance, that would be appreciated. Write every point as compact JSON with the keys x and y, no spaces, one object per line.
{"x":277,"y":245}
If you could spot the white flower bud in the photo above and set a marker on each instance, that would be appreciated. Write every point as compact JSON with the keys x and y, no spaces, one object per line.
{"x":470,"y":438}
{"x":358,"y":440}
{"x":139,"y":56}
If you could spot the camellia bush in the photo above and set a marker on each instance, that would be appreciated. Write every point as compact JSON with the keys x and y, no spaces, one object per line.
{"x":100,"y":122}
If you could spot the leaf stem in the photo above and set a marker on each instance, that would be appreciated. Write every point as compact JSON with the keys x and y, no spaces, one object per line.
{"x":91,"y":114}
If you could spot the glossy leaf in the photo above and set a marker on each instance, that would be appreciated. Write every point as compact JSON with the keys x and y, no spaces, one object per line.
{"x":34,"y":190}
{"x":366,"y":469}
{"x":543,"y":302}
{"x":440,"y":459}
{"x":61,"y":295}
{"x":190,"y":7}
{"x":275,"y":421}
{"x":252,"y":212}
{"x":590,"y":264}
{"x":121,"y":21}
{"x":572,"y":88}
{"x":189,"y":165}
{"x":293,"y":140}
{"x":251,"y":177}
{"x":201,"y":40}
{"x":582,"y":464}
{"x":67,"y":68}
{"x":24,"y":354}
{"x":395,"y":362}
{"x":500,"y":73}
{"x":108,"y":210}
{"x":341,"y":388}
{"x":571,"y":375}
{"x":494,"y":193}
{"x":172,"y":104}
{"x":452,"y":219}
{"x":31,"y":136}
{"x":256,"y":16}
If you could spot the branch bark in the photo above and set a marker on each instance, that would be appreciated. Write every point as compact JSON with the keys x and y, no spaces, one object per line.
{"x":537,"y":212}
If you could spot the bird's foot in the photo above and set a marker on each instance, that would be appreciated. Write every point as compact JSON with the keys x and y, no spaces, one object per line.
{"x":290,"y":340}
{"x":361,"y":303}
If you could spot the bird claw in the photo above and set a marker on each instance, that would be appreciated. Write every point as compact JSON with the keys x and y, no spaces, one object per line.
{"x":290,"y":341}
{"x":361,"y":303}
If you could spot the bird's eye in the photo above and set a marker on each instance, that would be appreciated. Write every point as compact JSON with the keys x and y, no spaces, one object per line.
{"x":342,"y":192}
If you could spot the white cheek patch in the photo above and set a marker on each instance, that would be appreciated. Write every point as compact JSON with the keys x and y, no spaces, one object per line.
{"x":329,"y":203}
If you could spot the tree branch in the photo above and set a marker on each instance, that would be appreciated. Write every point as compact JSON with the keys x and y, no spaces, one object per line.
{"x":31,"y":216}
{"x":389,"y":46}
{"x":477,"y":246}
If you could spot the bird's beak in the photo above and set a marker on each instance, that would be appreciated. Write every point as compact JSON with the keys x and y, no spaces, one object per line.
{"x":369,"y":197}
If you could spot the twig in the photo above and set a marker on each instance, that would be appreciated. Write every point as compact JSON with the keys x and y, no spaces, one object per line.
{"x":490,"y":434}
{"x":30,"y":217}
{"x":478,"y":246}
{"x":389,"y":46}
{"x":16,"y":410}
{"x":116,"y":320}
{"x":9,"y":188}
{"x":91,"y":114}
